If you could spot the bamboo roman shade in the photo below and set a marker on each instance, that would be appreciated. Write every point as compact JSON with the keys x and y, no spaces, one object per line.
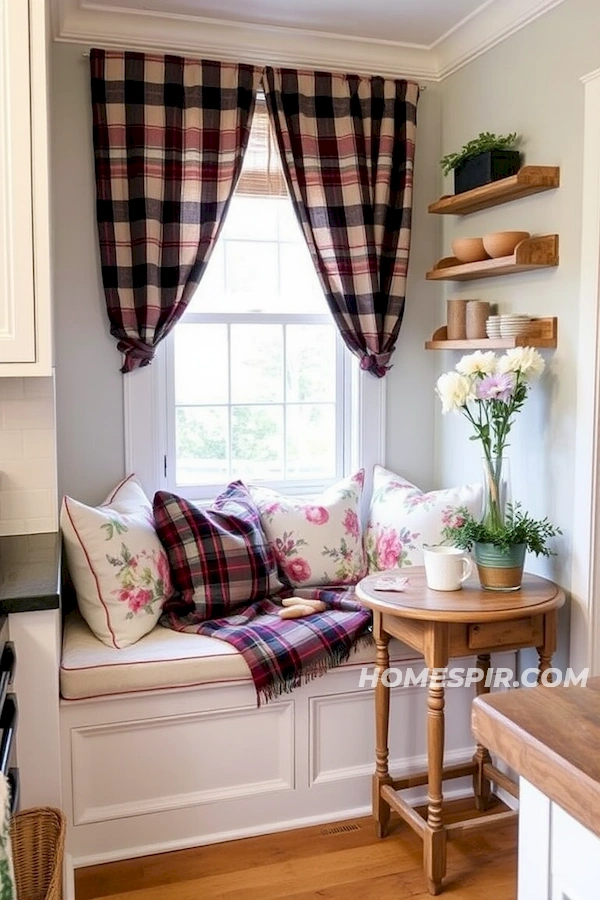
{"x":261,"y":173}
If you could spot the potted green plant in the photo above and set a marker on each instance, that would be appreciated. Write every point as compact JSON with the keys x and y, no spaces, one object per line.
{"x":499,"y":548}
{"x":486,"y":158}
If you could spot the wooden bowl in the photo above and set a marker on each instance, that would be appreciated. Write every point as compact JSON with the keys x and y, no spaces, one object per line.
{"x":469,"y":249}
{"x":503,"y":243}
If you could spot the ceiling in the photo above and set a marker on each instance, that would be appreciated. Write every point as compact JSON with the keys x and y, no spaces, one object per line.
{"x":425,"y":39}
{"x":421,"y":22}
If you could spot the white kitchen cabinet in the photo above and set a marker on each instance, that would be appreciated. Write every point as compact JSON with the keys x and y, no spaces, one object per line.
{"x":25,"y":289}
{"x":559,"y":859}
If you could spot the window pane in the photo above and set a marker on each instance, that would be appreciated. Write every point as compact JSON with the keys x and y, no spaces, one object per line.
{"x":210,"y":292}
{"x":200,"y":364}
{"x":311,"y":352}
{"x":257,"y":441}
{"x":256,"y":363}
{"x":310,"y":441}
{"x":252,"y":279}
{"x":289,"y":229}
{"x":300,"y":286}
{"x":201,"y":445}
{"x":251,"y":217}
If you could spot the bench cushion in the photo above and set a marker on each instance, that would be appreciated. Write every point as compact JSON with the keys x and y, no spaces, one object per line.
{"x":162,"y":659}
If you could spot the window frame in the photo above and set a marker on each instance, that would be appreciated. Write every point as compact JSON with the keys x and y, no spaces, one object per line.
{"x":342,"y":426}
{"x":149,"y":392}
{"x":146,"y":411}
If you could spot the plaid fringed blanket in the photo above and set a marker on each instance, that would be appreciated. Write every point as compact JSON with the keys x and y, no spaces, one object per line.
{"x":284,"y":653}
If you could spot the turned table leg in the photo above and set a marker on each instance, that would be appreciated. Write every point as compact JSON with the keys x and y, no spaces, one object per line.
{"x":434,"y":836}
{"x":381,"y":809}
{"x":434,"y":849}
{"x":481,"y":784}
{"x":548,"y":648}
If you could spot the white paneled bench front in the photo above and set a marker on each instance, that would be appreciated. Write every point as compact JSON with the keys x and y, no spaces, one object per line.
{"x":164,"y":746}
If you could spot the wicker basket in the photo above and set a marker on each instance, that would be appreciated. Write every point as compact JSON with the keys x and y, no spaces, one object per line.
{"x":38,"y":845}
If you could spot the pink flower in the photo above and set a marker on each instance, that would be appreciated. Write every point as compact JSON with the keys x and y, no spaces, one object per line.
{"x":416,"y":500}
{"x":298,"y":570}
{"x":318,"y":515}
{"x":388,"y":548}
{"x":142,"y":597}
{"x":350,"y":523}
{"x":495,"y":387}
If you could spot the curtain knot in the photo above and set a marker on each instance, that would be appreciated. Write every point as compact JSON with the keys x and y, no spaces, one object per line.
{"x":376,"y":364}
{"x":137,"y":354}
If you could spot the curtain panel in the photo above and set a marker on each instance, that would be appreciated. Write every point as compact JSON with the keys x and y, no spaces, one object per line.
{"x":347,"y":145}
{"x":169,"y":139}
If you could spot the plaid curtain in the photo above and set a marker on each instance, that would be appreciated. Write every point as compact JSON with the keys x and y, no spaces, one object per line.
{"x":347,"y":146}
{"x":169,"y":139}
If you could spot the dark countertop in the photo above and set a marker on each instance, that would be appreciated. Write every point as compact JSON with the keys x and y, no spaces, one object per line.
{"x":550,"y":736}
{"x":29,"y":572}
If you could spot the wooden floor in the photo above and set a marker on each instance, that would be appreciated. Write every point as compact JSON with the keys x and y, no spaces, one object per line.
{"x":342,"y":861}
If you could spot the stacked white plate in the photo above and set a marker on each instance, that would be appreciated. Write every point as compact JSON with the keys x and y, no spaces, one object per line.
{"x":492,"y":326}
{"x":512,"y":325}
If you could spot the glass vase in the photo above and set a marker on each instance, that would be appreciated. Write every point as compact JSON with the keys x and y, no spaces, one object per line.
{"x":496,"y":491}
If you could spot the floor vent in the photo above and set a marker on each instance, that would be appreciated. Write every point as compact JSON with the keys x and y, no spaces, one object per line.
{"x":341,"y":829}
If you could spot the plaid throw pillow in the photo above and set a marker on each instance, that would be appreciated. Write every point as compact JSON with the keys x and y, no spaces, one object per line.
{"x":219,"y":557}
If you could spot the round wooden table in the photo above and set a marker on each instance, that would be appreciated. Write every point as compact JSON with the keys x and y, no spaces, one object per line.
{"x":442,"y":625}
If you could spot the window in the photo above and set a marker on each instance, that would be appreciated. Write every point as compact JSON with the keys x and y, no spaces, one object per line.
{"x":254,"y":382}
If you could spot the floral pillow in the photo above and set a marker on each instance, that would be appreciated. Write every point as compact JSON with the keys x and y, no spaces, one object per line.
{"x":117,"y":564}
{"x":402,"y":518}
{"x":319,"y":541}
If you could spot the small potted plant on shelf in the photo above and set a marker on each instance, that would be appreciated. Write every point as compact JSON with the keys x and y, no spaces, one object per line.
{"x":486,"y":158}
{"x":500,"y":547}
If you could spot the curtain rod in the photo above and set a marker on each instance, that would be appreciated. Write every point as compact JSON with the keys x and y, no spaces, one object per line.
{"x":86,"y":55}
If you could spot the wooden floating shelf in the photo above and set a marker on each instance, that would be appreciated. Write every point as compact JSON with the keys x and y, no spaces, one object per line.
{"x":541,"y":333}
{"x":528,"y":180}
{"x":533,"y":253}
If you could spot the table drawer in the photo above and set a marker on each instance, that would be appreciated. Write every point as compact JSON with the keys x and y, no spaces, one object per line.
{"x":526,"y":632}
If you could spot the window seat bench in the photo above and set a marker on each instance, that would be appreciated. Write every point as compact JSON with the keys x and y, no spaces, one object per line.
{"x":163,"y":745}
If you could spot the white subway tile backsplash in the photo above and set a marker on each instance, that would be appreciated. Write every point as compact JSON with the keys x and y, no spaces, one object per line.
{"x":12,"y":446}
{"x":28,"y":492}
{"x":26,"y":474}
{"x":13,"y":388}
{"x":39,"y":443}
{"x":40,"y":526}
{"x":16,"y":526}
{"x":30,"y":504}
{"x":25,"y":414}
{"x":38,"y":388}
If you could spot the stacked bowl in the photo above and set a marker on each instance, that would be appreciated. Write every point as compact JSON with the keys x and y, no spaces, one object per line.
{"x":512,"y":325}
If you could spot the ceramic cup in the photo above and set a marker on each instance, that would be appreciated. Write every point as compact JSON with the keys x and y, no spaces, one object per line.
{"x":446,"y":568}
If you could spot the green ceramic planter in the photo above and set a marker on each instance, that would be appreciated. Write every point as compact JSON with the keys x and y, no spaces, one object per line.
{"x":498,"y":570}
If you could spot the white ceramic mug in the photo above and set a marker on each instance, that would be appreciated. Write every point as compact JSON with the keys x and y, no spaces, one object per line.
{"x":446,"y":568}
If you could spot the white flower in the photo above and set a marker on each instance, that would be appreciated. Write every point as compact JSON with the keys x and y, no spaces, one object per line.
{"x":454,"y":390}
{"x":525,"y":360}
{"x":477,"y":363}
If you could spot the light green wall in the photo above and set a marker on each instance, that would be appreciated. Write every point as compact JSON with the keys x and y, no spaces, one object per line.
{"x":530,"y":84}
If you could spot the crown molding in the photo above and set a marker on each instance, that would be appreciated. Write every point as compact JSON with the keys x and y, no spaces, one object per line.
{"x":488,"y":26}
{"x":94,"y":24}
{"x":590,"y":76}
{"x":118,"y":28}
